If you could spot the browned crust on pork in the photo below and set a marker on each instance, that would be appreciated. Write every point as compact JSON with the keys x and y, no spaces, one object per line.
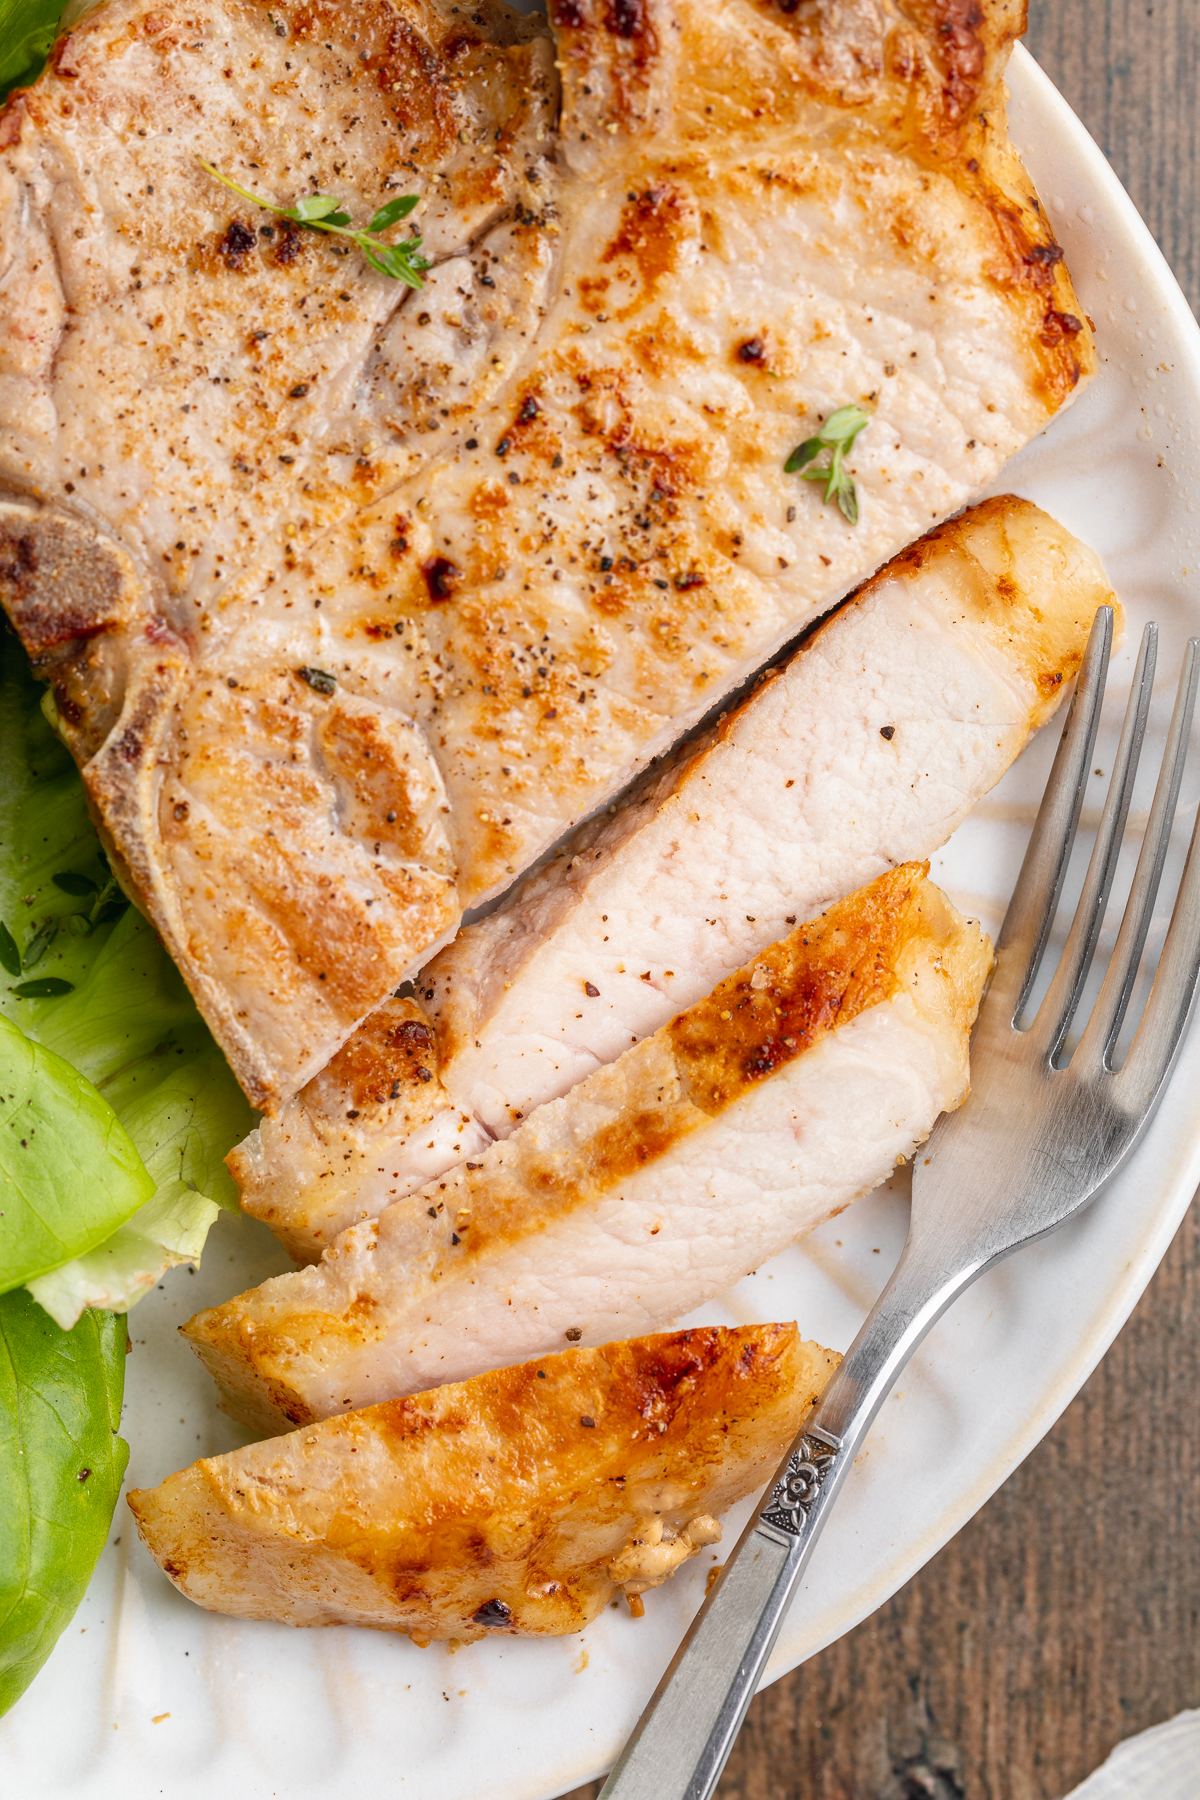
{"x":392,"y":1051}
{"x":510,"y":1492}
{"x":385,"y":1072}
{"x":857,"y":955}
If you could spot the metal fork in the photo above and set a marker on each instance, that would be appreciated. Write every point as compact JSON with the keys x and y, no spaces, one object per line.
{"x":1032,"y":1145}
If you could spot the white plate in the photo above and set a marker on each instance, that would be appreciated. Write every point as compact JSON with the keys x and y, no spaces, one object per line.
{"x":147,"y":1695}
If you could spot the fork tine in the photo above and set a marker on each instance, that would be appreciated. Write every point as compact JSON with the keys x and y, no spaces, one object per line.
{"x":1062,"y":998}
{"x":1022,"y":940}
{"x":1172,"y":994}
{"x":1104,"y":1027}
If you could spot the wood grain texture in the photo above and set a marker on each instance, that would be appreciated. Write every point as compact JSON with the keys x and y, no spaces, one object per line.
{"x":1066,"y":1615}
{"x":1131,"y":69}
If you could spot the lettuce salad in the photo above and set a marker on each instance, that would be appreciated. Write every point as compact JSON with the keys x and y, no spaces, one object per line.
{"x":116,"y":1111}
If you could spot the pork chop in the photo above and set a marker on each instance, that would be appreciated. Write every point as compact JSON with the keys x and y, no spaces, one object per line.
{"x":864,"y":751}
{"x":515,"y":1502}
{"x":355,"y":597}
{"x":655,"y":1184}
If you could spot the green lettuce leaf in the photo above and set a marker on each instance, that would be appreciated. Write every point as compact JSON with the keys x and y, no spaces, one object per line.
{"x":125,"y":1019}
{"x":61,"y":1465}
{"x":27,"y":30}
{"x":69,"y":1172}
{"x":167,"y":1231}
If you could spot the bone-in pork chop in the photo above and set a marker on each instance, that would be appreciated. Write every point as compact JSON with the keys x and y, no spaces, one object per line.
{"x":865,"y":751}
{"x":515,"y":1502}
{"x":354,"y":597}
{"x":655,"y":1184}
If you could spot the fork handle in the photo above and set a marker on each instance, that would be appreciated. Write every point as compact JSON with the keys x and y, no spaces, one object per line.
{"x":683,"y":1738}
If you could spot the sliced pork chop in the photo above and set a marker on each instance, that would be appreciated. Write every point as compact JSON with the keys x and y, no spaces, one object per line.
{"x":865,"y":751}
{"x":514,"y":1502}
{"x":355,"y":598}
{"x":377,"y":1123}
{"x":657,"y":1182}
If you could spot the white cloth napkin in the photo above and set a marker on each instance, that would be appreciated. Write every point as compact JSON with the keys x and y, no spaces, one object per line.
{"x":1162,"y":1764}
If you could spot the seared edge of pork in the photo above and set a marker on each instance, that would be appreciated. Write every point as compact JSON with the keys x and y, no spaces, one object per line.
{"x":659,"y":1181}
{"x":515,"y":1502}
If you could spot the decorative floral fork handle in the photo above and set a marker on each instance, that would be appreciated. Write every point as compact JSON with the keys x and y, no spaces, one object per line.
{"x":1032,"y":1145}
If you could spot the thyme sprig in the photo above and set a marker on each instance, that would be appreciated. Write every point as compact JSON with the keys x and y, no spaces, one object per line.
{"x":836,"y":435}
{"x":323,"y":212}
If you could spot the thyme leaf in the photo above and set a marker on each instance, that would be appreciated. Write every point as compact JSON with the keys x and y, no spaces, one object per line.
{"x":73,"y":882}
{"x":38,"y":944}
{"x":836,"y":435}
{"x":394,"y":210}
{"x":10,"y":956}
{"x":324,"y":212}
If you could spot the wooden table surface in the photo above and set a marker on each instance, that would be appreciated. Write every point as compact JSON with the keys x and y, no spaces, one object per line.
{"x":1066,"y":1615}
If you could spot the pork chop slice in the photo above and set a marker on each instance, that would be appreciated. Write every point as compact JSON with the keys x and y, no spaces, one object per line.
{"x":514,"y":1502}
{"x":865,"y":750}
{"x":354,"y":597}
{"x":660,"y":1180}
